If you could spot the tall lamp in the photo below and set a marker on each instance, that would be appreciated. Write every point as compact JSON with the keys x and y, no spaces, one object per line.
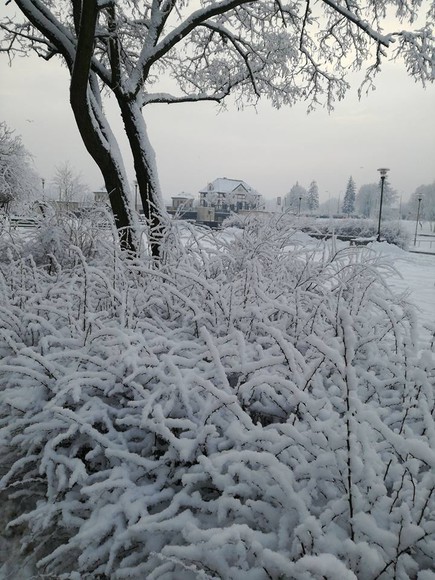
{"x":419,"y":198}
{"x":383,"y":171}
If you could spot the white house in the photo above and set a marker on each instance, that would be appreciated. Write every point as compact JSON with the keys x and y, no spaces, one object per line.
{"x":182,"y":201}
{"x":101,"y":196}
{"x":229,"y":194}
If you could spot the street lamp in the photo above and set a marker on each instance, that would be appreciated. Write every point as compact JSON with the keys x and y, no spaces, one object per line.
{"x":43,"y":188}
{"x":419,"y":198}
{"x":383,"y":171}
{"x":299,"y":207}
{"x":135,"y":195}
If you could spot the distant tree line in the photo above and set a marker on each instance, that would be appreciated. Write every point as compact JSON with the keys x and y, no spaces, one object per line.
{"x":19,"y":182}
{"x":363,"y":201}
{"x":426,"y":193}
{"x":304,"y":200}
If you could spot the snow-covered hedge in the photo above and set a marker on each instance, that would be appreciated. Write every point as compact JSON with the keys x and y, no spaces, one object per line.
{"x":247,"y":410}
{"x":391,"y":231}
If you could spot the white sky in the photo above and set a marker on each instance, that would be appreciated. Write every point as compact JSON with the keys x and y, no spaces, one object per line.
{"x":392,"y":127}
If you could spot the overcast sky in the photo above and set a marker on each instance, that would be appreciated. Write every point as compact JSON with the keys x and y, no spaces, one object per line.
{"x":392,"y":127}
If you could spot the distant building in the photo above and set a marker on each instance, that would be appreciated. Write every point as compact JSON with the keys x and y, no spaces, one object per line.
{"x":216,"y":202}
{"x":227,"y":195}
{"x":182,"y":201}
{"x":182,"y":207}
{"x":101,"y":196}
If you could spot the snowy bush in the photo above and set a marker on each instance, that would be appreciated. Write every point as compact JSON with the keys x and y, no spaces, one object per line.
{"x":391,"y":232}
{"x":61,"y":234}
{"x":247,"y":410}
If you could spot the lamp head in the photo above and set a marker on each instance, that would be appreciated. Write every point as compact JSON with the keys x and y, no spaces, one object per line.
{"x":383,"y":171}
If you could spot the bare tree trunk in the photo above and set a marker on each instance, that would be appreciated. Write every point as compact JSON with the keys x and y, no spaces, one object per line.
{"x":94,"y":129}
{"x":146,"y":171}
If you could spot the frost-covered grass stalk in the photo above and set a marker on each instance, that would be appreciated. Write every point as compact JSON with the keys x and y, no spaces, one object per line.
{"x":248,"y":410}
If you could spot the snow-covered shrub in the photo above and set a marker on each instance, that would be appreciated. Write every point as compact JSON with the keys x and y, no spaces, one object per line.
{"x":60,"y":234}
{"x":248,"y":410}
{"x":392,"y":231}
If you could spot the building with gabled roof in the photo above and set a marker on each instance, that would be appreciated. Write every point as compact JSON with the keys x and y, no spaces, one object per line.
{"x":229,"y":195}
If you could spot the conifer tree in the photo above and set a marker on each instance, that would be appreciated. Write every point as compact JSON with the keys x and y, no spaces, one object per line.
{"x":313,"y":196}
{"x":348,"y":206}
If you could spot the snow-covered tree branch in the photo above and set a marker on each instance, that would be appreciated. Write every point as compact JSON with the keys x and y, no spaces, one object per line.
{"x":286,"y":52}
{"x":18,"y":180}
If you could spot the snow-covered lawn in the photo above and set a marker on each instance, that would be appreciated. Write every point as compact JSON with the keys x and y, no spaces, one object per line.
{"x":416,"y":276}
{"x":413,"y":273}
{"x":425,"y":238}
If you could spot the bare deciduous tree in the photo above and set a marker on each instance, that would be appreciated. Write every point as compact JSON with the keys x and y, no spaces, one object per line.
{"x":17,"y":178}
{"x":368,"y":197}
{"x":292,"y":51}
{"x":68,"y":183}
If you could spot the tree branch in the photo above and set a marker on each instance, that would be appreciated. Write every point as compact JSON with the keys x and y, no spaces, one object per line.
{"x":363,"y":25}
{"x":149,"y":56}
{"x":235,"y":42}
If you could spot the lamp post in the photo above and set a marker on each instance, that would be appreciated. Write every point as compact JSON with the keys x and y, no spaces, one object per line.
{"x":43,"y":188}
{"x":383,"y":171}
{"x":135,"y":195}
{"x":419,"y":198}
{"x":299,"y":206}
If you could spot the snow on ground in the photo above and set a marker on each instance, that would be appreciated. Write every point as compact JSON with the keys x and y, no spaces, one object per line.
{"x":415,"y":269}
{"x":418,"y":275}
{"x":415,"y":275}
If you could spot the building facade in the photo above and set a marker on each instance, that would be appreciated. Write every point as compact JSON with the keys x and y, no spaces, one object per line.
{"x":230,"y":195}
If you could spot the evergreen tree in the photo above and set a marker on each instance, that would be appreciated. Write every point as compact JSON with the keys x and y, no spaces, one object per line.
{"x":313,"y":196}
{"x":348,"y":206}
{"x":296,"y":199}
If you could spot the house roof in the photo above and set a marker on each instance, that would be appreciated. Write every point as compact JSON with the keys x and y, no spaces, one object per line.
{"x":226,"y":185}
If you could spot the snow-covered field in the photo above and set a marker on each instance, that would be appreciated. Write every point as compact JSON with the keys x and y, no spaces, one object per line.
{"x":423,"y":234}
{"x":416,"y":275}
{"x":413,"y":270}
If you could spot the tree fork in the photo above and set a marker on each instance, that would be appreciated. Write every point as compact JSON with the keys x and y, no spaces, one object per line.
{"x":91,"y":133}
